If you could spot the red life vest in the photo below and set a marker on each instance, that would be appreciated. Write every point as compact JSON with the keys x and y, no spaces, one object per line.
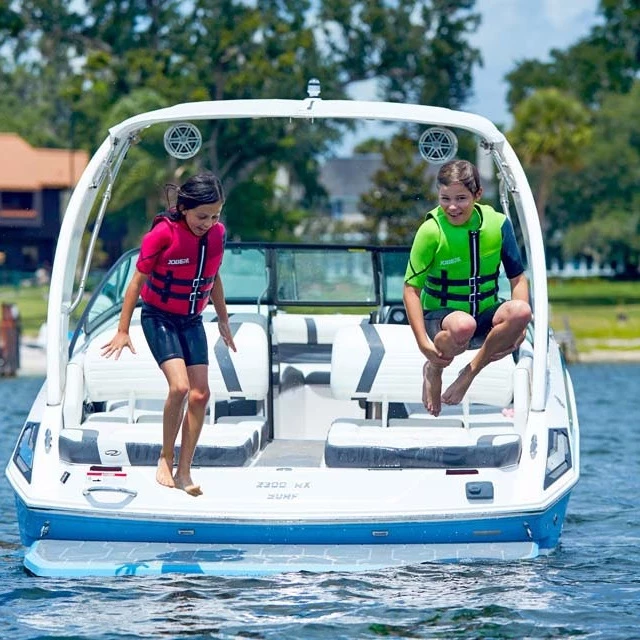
{"x":181,"y":273}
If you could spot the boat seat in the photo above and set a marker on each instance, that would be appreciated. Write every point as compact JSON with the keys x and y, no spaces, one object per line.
{"x":358,"y":444}
{"x":304,"y":343}
{"x":118,"y":443}
{"x":382,"y":363}
{"x":133,"y":390}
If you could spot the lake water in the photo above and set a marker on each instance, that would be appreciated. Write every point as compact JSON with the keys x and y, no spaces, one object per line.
{"x":589,"y":588}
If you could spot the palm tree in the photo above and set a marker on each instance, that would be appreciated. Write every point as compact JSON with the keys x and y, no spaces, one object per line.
{"x":551,"y":129}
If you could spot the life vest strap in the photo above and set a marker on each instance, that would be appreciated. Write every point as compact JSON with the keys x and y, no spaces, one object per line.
{"x":472,"y":296}
{"x":472,"y":281}
{"x":195,"y":282}
{"x":165,"y":293}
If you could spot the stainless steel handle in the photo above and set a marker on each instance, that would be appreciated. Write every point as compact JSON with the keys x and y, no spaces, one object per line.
{"x":130,"y":492}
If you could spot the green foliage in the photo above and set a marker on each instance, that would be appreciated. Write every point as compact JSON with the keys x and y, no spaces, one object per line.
{"x":74,"y":69}
{"x":253,"y":213}
{"x":596,"y":209}
{"x":400,"y":196}
{"x":417,"y":49}
{"x":551,"y":130}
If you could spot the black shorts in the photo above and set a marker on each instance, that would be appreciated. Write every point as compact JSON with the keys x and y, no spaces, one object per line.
{"x":171,"y":335}
{"x":484,"y":323}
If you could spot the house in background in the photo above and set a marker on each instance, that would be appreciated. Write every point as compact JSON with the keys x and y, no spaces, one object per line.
{"x":34,"y":188}
{"x":345,"y":180}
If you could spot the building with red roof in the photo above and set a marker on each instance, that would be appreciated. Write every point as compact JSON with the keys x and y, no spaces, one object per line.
{"x":34,"y":188}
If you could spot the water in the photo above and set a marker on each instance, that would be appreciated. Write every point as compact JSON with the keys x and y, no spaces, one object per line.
{"x":589,"y":588}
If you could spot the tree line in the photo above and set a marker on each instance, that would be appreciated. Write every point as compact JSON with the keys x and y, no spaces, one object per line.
{"x":71,"y":70}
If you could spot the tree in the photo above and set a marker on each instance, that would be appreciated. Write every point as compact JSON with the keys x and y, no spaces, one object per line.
{"x":602,"y":199}
{"x":93,"y":55}
{"x":417,"y":49}
{"x":551,"y":130}
{"x":396,"y":204}
{"x":611,"y":236}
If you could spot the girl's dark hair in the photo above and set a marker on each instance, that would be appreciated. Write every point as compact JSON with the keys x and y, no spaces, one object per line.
{"x":459,"y":171}
{"x":203,"y":188}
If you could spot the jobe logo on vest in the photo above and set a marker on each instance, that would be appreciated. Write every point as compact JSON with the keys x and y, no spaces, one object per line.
{"x":178,"y":261}
{"x":450,"y":261}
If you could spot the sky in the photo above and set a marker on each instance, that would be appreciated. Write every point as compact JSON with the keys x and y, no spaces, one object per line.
{"x":511,"y":31}
{"x":515,"y":30}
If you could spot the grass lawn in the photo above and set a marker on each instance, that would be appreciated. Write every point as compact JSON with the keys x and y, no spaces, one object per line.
{"x":32,"y":305}
{"x":600,"y":313}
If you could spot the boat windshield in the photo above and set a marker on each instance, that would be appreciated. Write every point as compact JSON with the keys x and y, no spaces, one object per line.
{"x":325,"y":276}
{"x":281,"y":275}
{"x":284,"y":275}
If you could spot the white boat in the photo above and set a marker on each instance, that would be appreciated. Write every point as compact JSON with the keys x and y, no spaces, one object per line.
{"x":317,"y":453}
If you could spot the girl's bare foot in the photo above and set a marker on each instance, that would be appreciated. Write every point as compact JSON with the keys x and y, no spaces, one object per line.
{"x":431,"y":388}
{"x":187,"y":485}
{"x":456,"y":390}
{"x":164,"y":473}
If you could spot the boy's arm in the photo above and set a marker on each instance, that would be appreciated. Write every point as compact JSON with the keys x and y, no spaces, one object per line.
{"x":415,"y":315}
{"x":520,"y":288}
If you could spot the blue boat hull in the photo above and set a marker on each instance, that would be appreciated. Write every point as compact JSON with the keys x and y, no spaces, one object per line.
{"x":543,"y":528}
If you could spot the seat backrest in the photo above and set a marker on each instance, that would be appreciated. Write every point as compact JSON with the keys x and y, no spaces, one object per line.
{"x":293,"y":328}
{"x":382,"y":363}
{"x":241,"y":374}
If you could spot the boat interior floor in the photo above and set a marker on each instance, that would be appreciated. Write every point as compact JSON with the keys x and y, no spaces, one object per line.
{"x":292,"y":453}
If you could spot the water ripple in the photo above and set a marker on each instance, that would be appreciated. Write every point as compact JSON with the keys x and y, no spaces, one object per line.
{"x":588,"y":588}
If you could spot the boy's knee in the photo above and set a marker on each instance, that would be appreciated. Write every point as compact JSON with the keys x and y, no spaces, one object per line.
{"x":521,"y":311}
{"x":463,"y":329}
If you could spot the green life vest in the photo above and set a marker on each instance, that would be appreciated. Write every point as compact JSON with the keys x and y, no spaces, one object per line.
{"x":464,"y":272}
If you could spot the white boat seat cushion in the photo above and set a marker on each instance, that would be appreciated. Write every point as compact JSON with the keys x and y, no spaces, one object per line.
{"x":133,"y":377}
{"x":382,"y":363}
{"x":241,"y":374}
{"x":307,"y":339}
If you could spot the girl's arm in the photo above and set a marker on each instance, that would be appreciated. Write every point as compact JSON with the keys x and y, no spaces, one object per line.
{"x":217,"y":298}
{"x":122,"y":339}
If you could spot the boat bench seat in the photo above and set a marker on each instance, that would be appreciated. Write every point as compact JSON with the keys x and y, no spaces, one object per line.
{"x":226,"y":444}
{"x":359,"y":444}
{"x":304,"y":343}
{"x":381,"y":363}
{"x":133,"y":390}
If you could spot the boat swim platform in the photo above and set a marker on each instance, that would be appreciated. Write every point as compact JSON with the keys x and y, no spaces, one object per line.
{"x":75,"y":558}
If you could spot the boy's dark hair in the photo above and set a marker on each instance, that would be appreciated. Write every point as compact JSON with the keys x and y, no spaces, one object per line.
{"x":459,"y":171}
{"x":203,"y":188}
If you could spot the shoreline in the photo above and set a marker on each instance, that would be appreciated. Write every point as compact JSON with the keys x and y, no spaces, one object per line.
{"x":33,"y":358}
{"x":608,"y":355}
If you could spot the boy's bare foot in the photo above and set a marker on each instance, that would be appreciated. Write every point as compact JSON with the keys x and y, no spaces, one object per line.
{"x":187,"y":485}
{"x":431,"y":388}
{"x":164,"y":473}
{"x":456,"y":390}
